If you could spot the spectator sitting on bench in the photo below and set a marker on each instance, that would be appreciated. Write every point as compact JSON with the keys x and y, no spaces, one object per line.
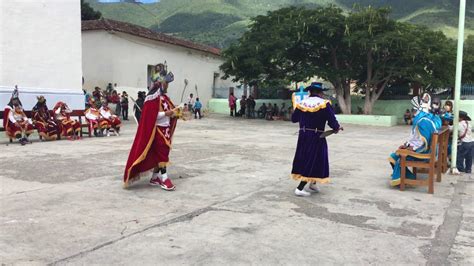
{"x":262,"y":111}
{"x":276,"y":112}
{"x":407,"y":117}
{"x":269,"y":114}
{"x":337,"y":109}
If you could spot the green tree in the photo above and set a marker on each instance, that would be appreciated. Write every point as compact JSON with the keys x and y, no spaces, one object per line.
{"x":388,"y":51}
{"x":272,"y":51}
{"x":468,"y":60}
{"x":88,"y":13}
{"x":366,"y":46}
{"x":329,"y":52}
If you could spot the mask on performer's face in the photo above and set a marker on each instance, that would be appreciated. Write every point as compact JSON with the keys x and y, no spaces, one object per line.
{"x":164,"y":88}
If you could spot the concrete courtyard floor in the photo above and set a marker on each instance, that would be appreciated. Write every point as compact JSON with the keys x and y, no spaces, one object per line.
{"x":63,"y":203}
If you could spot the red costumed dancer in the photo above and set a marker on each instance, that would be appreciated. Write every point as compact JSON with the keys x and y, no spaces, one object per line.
{"x":112,"y":121}
{"x":42,"y":120}
{"x":15,"y":122}
{"x":69,"y":127}
{"x":152,"y":144}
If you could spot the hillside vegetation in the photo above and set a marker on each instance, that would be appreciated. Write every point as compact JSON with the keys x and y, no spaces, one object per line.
{"x":220,"y":22}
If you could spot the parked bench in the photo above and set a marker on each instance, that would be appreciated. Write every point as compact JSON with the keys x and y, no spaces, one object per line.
{"x":435,"y":162}
{"x":75,"y":113}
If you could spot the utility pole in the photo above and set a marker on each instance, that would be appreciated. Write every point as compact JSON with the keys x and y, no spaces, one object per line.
{"x":457,"y":87}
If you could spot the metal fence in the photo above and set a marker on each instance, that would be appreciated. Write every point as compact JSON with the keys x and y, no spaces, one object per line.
{"x":405,"y":92}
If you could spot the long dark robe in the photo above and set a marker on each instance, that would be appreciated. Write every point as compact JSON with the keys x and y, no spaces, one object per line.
{"x":311,"y":162}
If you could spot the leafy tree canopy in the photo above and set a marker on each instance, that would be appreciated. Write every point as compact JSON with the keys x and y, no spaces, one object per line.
{"x":88,"y":13}
{"x":365,"y":46}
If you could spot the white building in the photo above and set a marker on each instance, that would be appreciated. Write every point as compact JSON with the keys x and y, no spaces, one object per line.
{"x":123,"y":53}
{"x":40,"y":50}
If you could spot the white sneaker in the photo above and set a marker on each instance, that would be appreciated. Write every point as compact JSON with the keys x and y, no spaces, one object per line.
{"x":313,"y":188}
{"x":301,"y":193}
{"x":455,"y":171}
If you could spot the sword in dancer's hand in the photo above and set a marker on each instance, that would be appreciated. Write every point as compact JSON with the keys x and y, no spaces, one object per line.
{"x":135,"y":103}
{"x":138,"y":107}
{"x":329,"y":132}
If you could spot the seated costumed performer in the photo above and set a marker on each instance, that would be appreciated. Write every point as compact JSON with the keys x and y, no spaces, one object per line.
{"x":16,"y":123}
{"x":69,"y":127}
{"x":152,"y":144}
{"x":43,"y":121}
{"x":424,"y":125}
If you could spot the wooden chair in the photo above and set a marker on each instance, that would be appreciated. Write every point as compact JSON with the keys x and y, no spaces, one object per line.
{"x":84,"y":124}
{"x":434,"y":162}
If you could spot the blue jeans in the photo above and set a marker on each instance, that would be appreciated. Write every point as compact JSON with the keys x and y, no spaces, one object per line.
{"x":464,"y":157}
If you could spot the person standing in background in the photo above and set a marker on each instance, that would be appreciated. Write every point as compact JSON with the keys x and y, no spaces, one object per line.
{"x":124,"y":105}
{"x":466,"y":145}
{"x":197,"y":108}
{"x":232,"y":104}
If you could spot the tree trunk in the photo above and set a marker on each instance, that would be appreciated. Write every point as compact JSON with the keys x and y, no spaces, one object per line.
{"x":372,"y":94}
{"x":368,"y":104}
{"x":343,"y":96}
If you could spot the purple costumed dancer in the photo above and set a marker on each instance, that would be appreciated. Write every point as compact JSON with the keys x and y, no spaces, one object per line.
{"x":311,"y":163}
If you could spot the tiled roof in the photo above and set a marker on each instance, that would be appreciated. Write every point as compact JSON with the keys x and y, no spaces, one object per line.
{"x":113,"y":25}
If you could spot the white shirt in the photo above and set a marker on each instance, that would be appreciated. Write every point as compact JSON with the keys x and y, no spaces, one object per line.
{"x":191,"y":101}
{"x":105,"y":114}
{"x":162,"y":120}
{"x":463,"y":126}
{"x":14,"y":117}
{"x":91,"y":115}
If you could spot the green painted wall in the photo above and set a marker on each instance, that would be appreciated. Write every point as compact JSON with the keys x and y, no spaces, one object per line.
{"x":398,"y":107}
{"x":221,"y":106}
{"x":382,"y":107}
{"x":369,"y":120}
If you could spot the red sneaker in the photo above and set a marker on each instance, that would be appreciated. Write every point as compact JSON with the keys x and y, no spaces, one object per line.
{"x":167,"y":185}
{"x":156,"y":181}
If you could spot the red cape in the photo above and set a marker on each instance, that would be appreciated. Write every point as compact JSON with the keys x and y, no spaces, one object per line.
{"x":148,"y":141}
{"x":6,"y":112}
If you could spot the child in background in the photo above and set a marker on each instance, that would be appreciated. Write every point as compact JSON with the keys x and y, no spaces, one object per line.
{"x":466,"y":145}
{"x":197,"y":108}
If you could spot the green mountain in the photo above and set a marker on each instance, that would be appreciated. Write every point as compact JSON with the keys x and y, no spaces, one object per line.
{"x":220,"y":22}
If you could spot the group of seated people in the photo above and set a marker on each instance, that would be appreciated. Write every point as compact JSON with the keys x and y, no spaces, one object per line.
{"x":269,"y":112}
{"x":117,"y":102}
{"x":53,"y":125}
{"x":102,"y":120}
{"x":265,"y":111}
